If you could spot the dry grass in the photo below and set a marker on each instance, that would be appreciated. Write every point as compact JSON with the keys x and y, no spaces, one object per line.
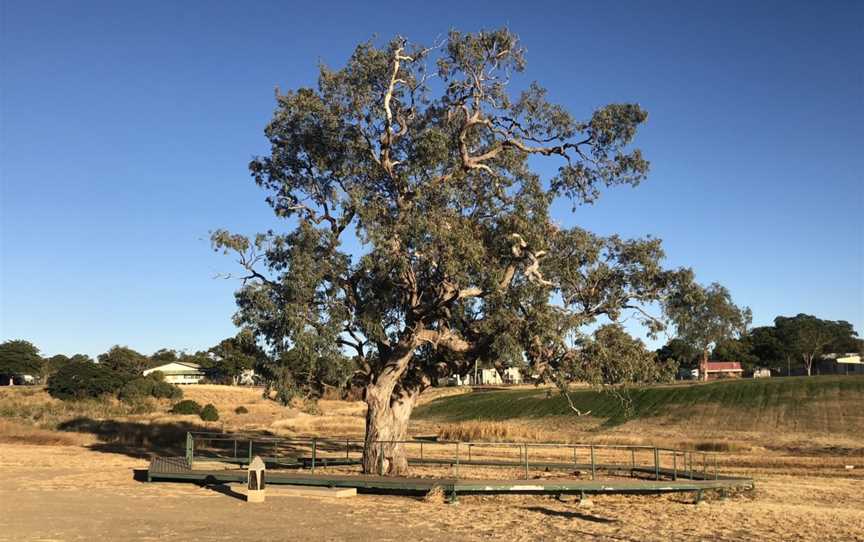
{"x":33,"y":406}
{"x":486,"y":431}
{"x":434,"y":495}
{"x":17,"y":433}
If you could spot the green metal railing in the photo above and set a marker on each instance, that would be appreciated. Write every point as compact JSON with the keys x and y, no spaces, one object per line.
{"x":317,"y":452}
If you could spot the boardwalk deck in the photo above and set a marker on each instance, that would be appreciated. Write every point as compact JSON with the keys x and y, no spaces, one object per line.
{"x":177,"y":469}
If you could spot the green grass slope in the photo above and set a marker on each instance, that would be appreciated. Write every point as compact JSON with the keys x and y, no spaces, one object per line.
{"x":799,"y":397}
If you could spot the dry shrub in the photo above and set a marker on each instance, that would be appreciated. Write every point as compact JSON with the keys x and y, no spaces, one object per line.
{"x":435,"y":495}
{"x":488,"y":431}
{"x":721,"y":446}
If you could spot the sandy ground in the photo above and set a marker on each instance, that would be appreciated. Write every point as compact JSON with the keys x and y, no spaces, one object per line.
{"x":77,"y":493}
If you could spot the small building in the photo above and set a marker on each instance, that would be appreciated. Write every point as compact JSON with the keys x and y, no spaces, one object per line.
{"x":491,"y":377}
{"x":179,"y":372}
{"x":840,"y":364}
{"x":484,"y":377}
{"x":761,"y":372}
{"x":716,"y":370}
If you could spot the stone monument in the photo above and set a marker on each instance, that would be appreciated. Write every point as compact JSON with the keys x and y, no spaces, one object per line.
{"x":256,"y":482}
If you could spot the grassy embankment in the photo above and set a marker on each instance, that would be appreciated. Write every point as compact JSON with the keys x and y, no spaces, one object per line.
{"x":826,"y":404}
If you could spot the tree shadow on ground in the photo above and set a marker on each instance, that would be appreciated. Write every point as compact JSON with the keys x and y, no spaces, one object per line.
{"x":134,"y":439}
{"x":144,"y":440}
{"x":570,"y":514}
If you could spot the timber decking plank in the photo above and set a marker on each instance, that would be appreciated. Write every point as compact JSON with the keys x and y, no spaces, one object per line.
{"x":178,"y":469}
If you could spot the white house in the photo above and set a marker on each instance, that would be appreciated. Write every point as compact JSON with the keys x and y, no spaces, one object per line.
{"x":510,"y":375}
{"x":179,"y":372}
{"x":484,"y":377}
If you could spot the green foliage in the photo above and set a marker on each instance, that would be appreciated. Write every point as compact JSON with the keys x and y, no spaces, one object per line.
{"x":461,"y":259}
{"x":124,"y":362}
{"x":19,"y":358}
{"x":808,"y":337}
{"x":186,"y":406}
{"x":152,"y":385}
{"x":680,"y":352}
{"x":209,"y":413}
{"x":704,"y":316}
{"x":81,"y":380}
{"x":162,"y":356}
{"x":241,"y":410}
{"x":614,"y":361}
{"x":52,"y":365}
{"x":231,"y":357}
{"x":304,"y":375}
{"x":737,"y":349}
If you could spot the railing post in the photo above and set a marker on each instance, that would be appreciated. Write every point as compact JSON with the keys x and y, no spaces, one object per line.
{"x":632,"y":460}
{"x":235,"y":448}
{"x":250,"y":451}
{"x":347,"y":448}
{"x":526,"y":460}
{"x":469,"y":452}
{"x":190,"y":449}
{"x":715,"y":466}
{"x":381,"y":458}
{"x":457,"y":459}
{"x":691,"y":465}
{"x":675,"y":465}
{"x":575,"y":461}
{"x":421,"y":451}
{"x":593,"y":464}
{"x":704,"y":466}
{"x":656,"y":463}
{"x":314,"y":453}
{"x":276,"y":451}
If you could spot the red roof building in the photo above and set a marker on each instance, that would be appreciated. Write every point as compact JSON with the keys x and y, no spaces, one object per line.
{"x":713,"y":370}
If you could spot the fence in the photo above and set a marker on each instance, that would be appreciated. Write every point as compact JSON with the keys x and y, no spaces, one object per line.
{"x":318,"y":452}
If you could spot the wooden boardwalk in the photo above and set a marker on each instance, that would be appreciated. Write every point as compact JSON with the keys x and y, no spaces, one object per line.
{"x":177,"y":469}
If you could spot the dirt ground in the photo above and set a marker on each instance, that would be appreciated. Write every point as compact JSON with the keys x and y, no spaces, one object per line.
{"x":76,"y":493}
{"x":80,"y":483}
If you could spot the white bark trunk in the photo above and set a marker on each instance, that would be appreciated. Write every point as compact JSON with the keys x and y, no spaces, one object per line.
{"x":386,"y":430}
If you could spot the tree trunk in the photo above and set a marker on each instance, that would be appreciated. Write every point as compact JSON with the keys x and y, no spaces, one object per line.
{"x":387,"y":417}
{"x":808,"y":363}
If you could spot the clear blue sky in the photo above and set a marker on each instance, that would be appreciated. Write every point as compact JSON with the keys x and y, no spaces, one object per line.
{"x":127,"y":128}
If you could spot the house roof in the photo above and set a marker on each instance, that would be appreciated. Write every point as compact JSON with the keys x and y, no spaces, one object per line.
{"x":728,"y":366}
{"x":176,"y":367}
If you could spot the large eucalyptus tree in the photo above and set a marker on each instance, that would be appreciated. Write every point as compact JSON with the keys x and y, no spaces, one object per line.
{"x":423,"y":155}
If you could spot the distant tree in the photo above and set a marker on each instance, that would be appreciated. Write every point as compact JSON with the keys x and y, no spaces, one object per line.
{"x":82,"y":380}
{"x":296,"y":373}
{"x":231,"y":357}
{"x":163,"y":356}
{"x":52,"y":364}
{"x":769,"y":349}
{"x":124,"y":362}
{"x":736,"y":349}
{"x":705,"y":316}
{"x":679,"y":351}
{"x":611,"y":360}
{"x":809,"y":337}
{"x":19,"y":357}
